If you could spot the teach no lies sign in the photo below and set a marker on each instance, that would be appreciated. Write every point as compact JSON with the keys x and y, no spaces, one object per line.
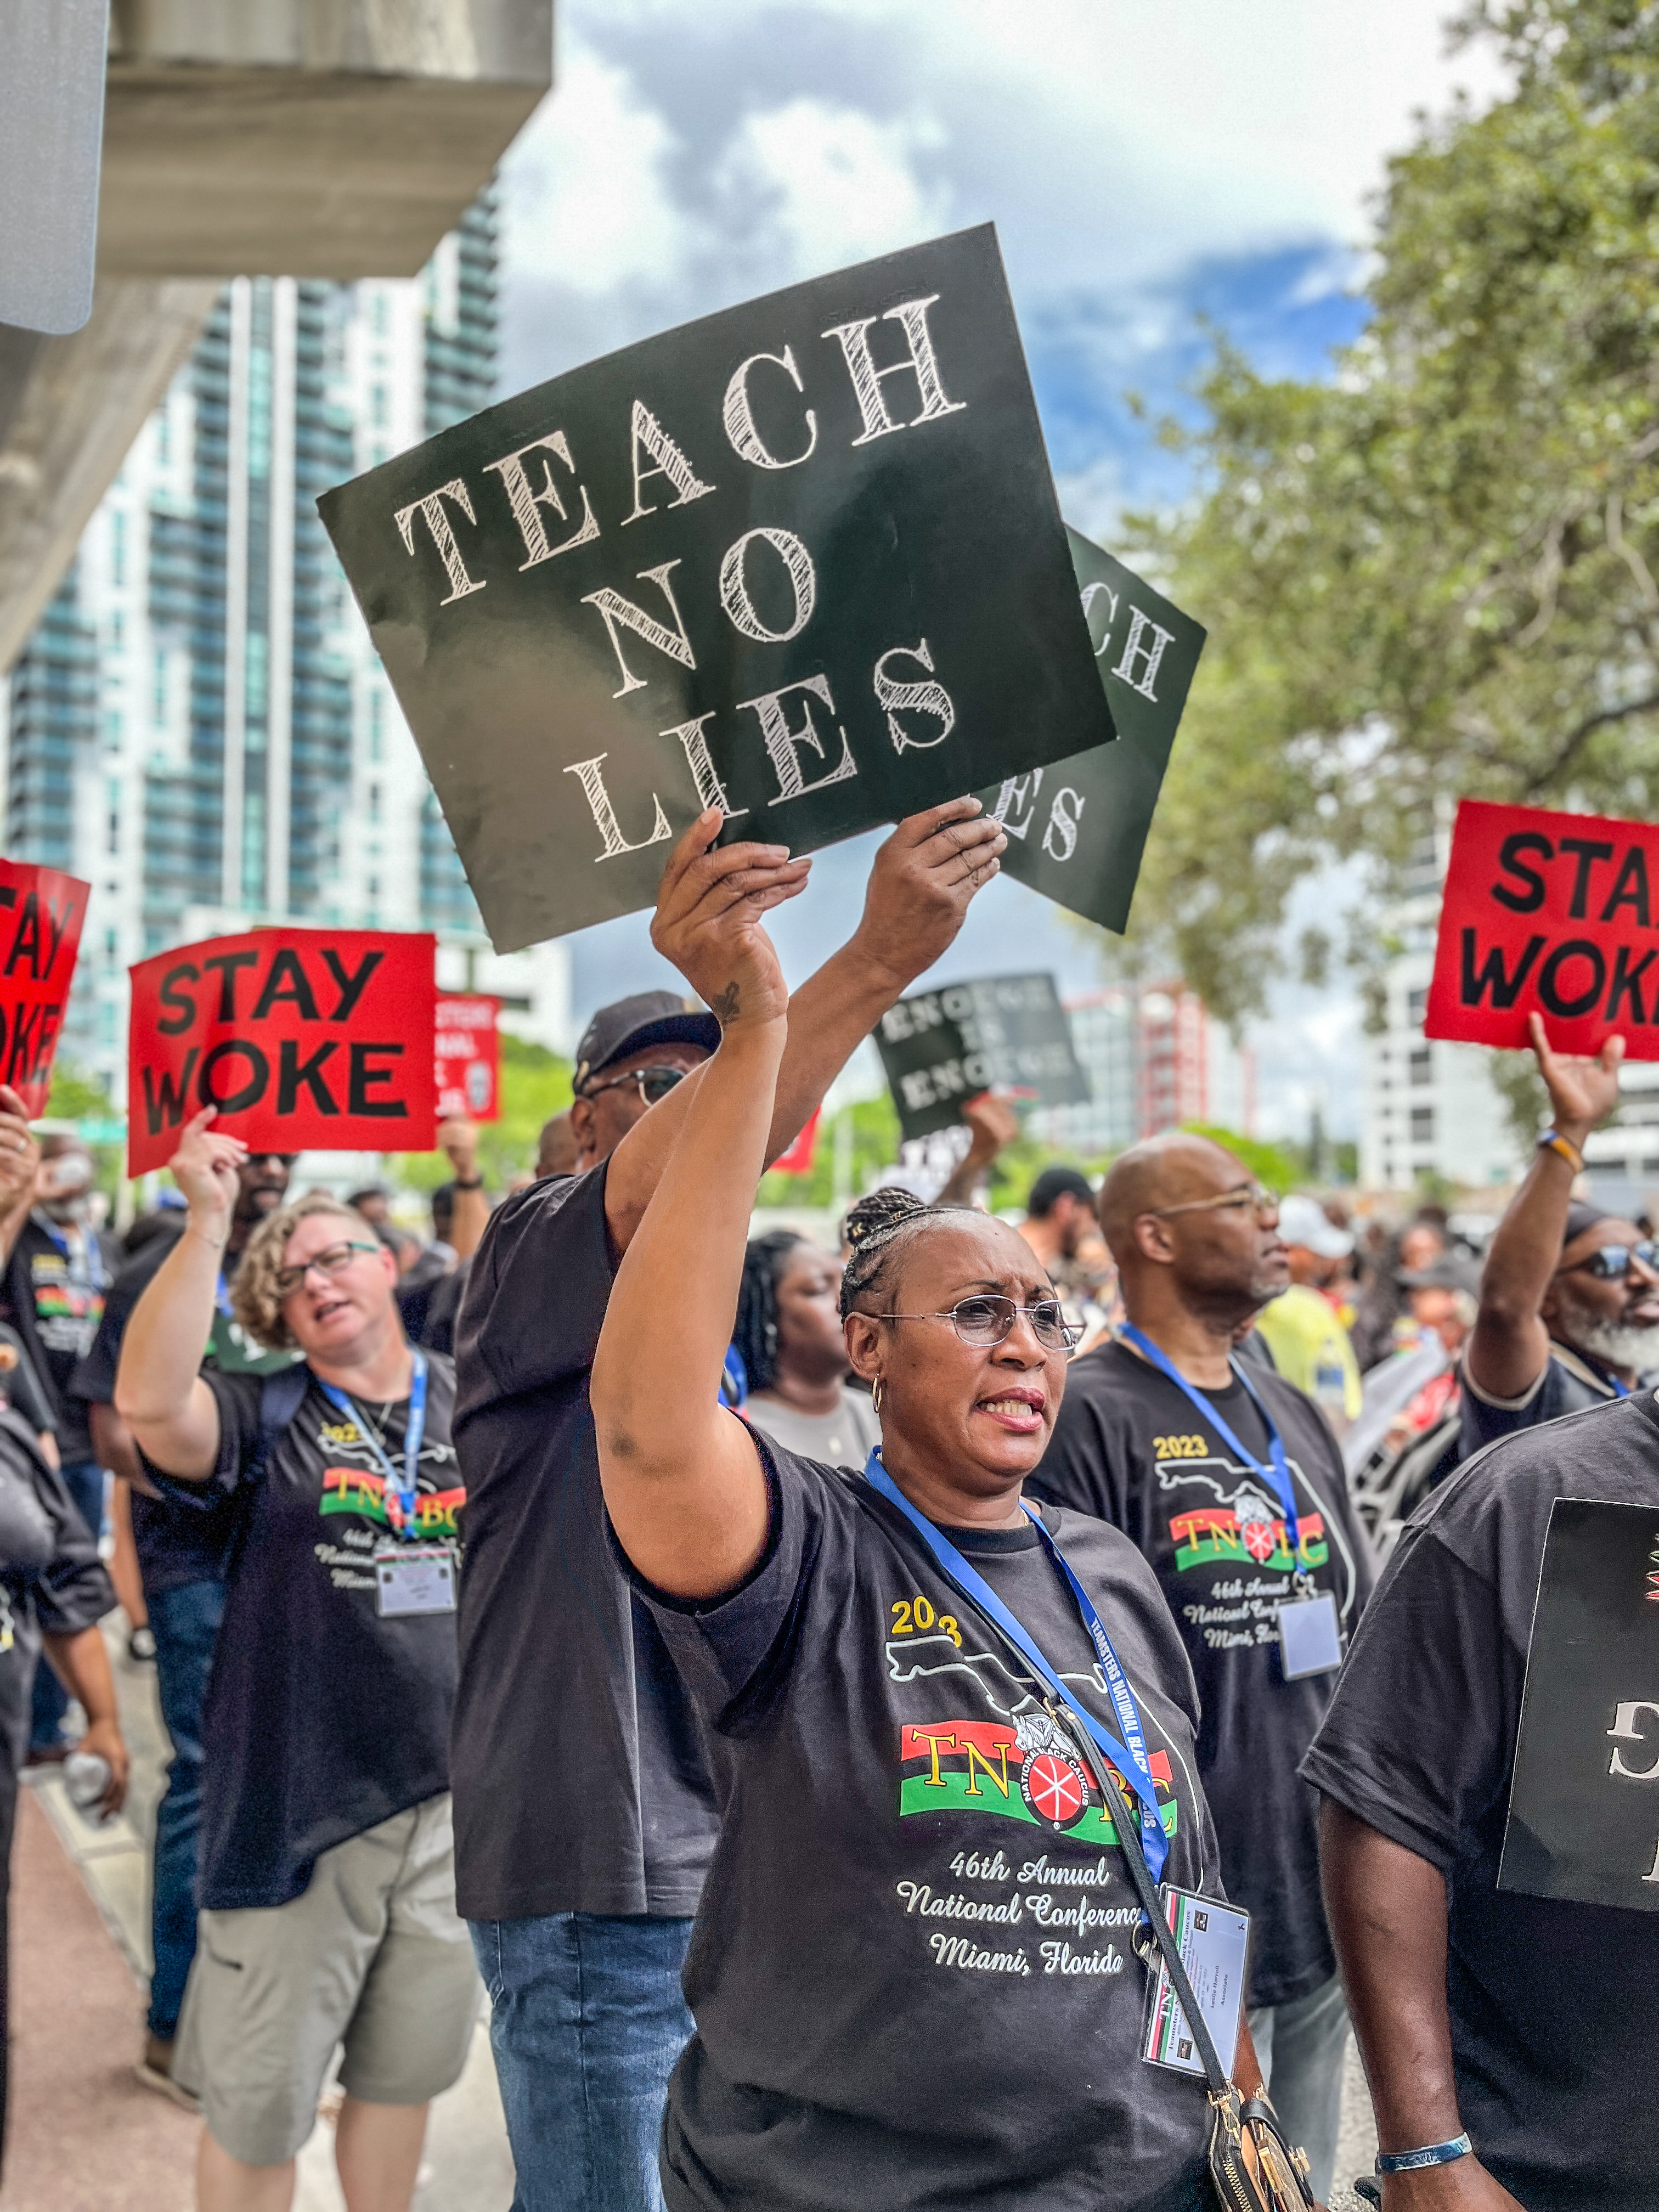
{"x":801,"y":561}
{"x":304,"y":1039}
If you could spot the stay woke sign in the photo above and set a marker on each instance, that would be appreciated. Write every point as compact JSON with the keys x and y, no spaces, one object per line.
{"x":1556,"y":915}
{"x":40,"y":916}
{"x":801,"y":561}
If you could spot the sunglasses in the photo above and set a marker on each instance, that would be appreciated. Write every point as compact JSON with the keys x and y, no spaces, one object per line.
{"x":1256,"y":1194}
{"x":333,"y":1260}
{"x":988,"y":1319}
{"x":654,"y":1083}
{"x":1611,"y":1262}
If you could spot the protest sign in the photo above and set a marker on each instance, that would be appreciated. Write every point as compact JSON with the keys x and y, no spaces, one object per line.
{"x":1008,"y":1032}
{"x":800,"y":560}
{"x":305,"y":1039}
{"x":1584,"y":1820}
{"x":1548,"y":913}
{"x":796,"y":1158}
{"x":1077,"y":828}
{"x":469,"y":1058}
{"x":40,"y":916}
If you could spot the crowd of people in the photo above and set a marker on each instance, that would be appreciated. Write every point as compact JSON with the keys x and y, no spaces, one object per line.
{"x":797,"y":1689}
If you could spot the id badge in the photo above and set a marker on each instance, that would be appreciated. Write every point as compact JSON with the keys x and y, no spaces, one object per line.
{"x":1309,"y":1639}
{"x":411,"y":1578}
{"x":1213,"y":1940}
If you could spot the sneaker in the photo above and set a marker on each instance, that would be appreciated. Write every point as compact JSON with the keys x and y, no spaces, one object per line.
{"x":154,"y":2071}
{"x":140,"y":1645}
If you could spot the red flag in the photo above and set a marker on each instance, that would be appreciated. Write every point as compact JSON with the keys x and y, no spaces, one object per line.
{"x":305,"y":1039}
{"x":1548,"y":913}
{"x":797,"y":1160}
{"x":469,"y":1058}
{"x":40,"y":916}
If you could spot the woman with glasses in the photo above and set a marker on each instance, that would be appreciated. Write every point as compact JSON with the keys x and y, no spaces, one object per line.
{"x":915,"y":1972}
{"x":326,"y":1883}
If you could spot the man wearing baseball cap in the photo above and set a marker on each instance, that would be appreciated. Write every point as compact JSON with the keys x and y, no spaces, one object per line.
{"x":1304,"y":1331}
{"x":1569,"y":1312}
{"x":584,"y":1817}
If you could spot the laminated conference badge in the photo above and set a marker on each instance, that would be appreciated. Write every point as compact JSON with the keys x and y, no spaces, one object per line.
{"x":304,"y":1039}
{"x":40,"y":916}
{"x":1076,"y":828}
{"x":1584,"y":1820}
{"x":801,"y":561}
{"x":1004,"y":1032}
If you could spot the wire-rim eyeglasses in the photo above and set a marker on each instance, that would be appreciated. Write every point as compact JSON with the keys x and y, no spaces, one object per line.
{"x":989,"y":1319}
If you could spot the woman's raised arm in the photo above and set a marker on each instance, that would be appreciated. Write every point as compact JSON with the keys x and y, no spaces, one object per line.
{"x":159,"y":1390}
{"x":683,"y":1481}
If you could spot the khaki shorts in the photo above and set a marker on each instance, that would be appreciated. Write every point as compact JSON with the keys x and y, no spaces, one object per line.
{"x":371,"y":1956}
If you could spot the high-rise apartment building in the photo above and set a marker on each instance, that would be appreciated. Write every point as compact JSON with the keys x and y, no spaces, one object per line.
{"x":1155,"y":1058}
{"x":199,"y":725}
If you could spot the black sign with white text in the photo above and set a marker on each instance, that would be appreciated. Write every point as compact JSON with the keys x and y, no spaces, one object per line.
{"x":1005,"y":1032}
{"x":801,"y":560}
{"x":1077,"y":828}
{"x":1584,"y":1806}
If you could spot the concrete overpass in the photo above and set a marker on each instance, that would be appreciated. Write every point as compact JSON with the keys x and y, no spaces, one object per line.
{"x":328,"y":138}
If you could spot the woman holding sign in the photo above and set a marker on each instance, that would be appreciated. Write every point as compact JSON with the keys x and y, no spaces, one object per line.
{"x":917,"y":1973}
{"x":327,"y":1884}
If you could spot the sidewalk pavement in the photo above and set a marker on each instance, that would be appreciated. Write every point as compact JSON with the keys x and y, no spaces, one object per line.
{"x":84,"y":2136}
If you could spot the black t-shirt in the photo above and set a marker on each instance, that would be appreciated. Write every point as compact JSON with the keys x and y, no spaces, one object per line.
{"x":322,"y":1718}
{"x":1552,"y":2004}
{"x":1568,"y":1383}
{"x":52,"y":1294}
{"x":176,"y":1543}
{"x":581,"y":1780}
{"x":51,"y":1578}
{"x":910,"y":1988}
{"x":1130,"y":1446}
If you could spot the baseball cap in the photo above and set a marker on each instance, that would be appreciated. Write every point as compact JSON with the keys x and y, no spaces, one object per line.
{"x":631,"y":1024}
{"x":1302,"y":1220}
{"x":1581,"y":1218}
{"x":1452,"y":1271}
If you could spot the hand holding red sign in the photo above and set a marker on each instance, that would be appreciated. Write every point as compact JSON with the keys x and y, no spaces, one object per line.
{"x":302,"y":1039}
{"x":40,"y":916}
{"x":1548,"y":913}
{"x":1583,"y":1091}
{"x":19,"y":1155}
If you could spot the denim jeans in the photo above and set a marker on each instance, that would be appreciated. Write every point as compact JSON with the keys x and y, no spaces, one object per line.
{"x":185,"y":1622}
{"x":83,"y":1479}
{"x":586,"y":2023}
{"x":1302,"y":2047}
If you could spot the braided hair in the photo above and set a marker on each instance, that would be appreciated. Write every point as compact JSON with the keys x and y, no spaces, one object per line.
{"x":875,"y":1227}
{"x":755,"y":1333}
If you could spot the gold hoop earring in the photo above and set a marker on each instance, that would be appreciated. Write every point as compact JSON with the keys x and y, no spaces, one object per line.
{"x":875,"y":1395}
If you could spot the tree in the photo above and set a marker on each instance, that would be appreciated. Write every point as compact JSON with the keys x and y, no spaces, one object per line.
{"x":1435,"y":573}
{"x":535,"y":1085}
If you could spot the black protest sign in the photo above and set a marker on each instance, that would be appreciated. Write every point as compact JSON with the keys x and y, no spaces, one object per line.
{"x":1004,"y":1032}
{"x":801,"y":560}
{"x":1077,"y":828}
{"x":1584,"y":1805}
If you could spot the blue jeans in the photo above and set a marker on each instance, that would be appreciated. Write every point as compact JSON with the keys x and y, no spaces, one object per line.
{"x":185,"y":1622}
{"x":83,"y":1479}
{"x":1302,"y":2047}
{"x":586,"y":2021}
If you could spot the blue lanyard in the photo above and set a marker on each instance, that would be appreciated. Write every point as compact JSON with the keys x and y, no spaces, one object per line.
{"x":1132,"y":1763}
{"x":1278,"y":1475}
{"x":414,"y":1431}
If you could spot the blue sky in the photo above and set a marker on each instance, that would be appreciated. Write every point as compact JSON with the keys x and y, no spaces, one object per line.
{"x":1152,"y":170}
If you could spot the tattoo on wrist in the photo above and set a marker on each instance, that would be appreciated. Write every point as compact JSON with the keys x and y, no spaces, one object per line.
{"x":726,"y":1005}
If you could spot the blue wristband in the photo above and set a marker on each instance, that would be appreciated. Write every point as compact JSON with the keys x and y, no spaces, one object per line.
{"x":1410,"y":2162}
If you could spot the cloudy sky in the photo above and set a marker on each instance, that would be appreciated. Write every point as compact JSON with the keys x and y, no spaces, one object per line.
{"x":1153,"y":167}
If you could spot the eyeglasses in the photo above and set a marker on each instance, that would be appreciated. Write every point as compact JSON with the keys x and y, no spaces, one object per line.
{"x":1256,"y":1195}
{"x":1611,"y":1262}
{"x":333,"y":1260}
{"x":654,"y":1083}
{"x":988,"y":1319}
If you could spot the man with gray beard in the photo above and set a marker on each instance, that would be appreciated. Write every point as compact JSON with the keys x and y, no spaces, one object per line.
{"x":1570,"y":1296}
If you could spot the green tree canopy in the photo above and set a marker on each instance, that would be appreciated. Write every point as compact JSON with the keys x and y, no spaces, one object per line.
{"x":1434,"y":574}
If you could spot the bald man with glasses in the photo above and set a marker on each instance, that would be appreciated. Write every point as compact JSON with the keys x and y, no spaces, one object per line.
{"x":1230,"y":1481}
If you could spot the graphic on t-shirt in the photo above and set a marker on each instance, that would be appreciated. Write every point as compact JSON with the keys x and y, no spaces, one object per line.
{"x":359,"y":1489}
{"x":1026,"y":1769}
{"x":370,"y":1505}
{"x":1244,"y":1526}
{"x":66,"y":1311}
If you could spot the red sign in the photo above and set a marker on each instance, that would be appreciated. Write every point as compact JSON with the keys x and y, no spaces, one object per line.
{"x":469,"y":1059}
{"x":40,"y":917}
{"x":305,"y":1039}
{"x":1551,"y":913}
{"x":797,"y":1158}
